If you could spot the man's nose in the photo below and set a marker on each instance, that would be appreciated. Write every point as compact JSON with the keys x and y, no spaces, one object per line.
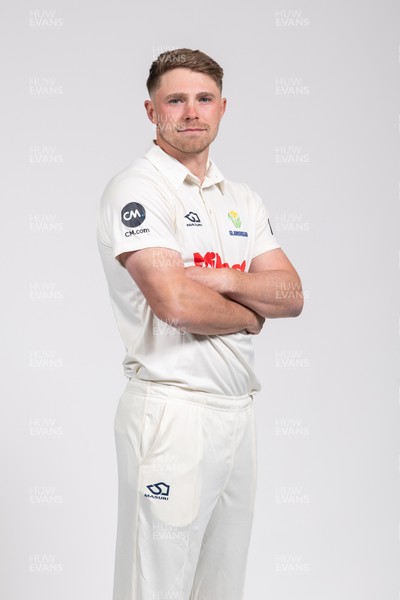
{"x":190,"y":111}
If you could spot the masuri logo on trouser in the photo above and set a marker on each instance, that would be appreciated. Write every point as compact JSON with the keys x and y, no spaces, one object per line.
{"x":159,"y":491}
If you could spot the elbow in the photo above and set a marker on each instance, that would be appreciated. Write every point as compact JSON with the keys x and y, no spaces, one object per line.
{"x":296,"y":306}
{"x":296,"y":299}
{"x":292,"y":305}
{"x":174,"y":306}
{"x":172,"y":311}
{"x":169,"y":314}
{"x":289,"y":298}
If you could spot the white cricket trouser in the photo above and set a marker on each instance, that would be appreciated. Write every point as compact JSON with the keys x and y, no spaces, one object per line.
{"x":187,"y":478}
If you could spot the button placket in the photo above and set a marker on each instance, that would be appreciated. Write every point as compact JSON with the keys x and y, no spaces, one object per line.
{"x":213,"y":223}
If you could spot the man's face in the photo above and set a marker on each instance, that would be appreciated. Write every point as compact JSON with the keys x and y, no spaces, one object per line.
{"x":187,"y":108}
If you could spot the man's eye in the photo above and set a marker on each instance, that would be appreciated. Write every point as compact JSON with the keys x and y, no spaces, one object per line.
{"x":205,"y":99}
{"x":174,"y":101}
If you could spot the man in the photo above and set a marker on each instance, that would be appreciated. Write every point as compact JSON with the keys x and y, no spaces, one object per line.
{"x":193,"y":270}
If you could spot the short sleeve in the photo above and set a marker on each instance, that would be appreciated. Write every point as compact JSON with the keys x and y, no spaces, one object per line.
{"x":264,"y":236}
{"x":134,"y":214}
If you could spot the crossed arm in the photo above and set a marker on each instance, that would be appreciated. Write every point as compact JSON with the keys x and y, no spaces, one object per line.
{"x":271,"y":288}
{"x":211,"y":301}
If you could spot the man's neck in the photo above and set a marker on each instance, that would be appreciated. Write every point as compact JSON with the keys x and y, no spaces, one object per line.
{"x":196,"y":163}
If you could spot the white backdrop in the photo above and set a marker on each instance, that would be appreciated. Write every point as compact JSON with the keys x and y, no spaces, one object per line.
{"x":313,"y":126}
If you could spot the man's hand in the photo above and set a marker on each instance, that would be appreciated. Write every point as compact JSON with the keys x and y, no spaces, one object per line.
{"x":219,"y":280}
{"x":258,"y":324}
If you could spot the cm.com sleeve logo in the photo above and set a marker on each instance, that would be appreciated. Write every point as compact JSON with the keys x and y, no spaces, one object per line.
{"x":133,"y":215}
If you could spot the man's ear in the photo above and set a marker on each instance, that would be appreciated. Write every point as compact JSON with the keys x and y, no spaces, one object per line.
{"x":150,"y":110}
{"x":223,"y":108}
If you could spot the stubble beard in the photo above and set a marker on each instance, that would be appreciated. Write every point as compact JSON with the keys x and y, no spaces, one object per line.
{"x":188,"y":145}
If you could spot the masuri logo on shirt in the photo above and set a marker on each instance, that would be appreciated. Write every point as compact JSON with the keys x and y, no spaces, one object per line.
{"x":194,"y":219}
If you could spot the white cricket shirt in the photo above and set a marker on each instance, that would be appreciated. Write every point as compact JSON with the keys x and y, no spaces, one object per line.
{"x":158,"y":202}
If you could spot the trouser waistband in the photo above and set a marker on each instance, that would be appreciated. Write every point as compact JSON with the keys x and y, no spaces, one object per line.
{"x":173,"y":392}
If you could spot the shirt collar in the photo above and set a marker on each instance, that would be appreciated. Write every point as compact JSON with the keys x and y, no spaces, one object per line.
{"x":176,"y":172}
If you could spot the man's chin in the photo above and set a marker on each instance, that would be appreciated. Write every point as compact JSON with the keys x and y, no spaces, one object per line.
{"x":188,"y":146}
{"x":193,"y":148}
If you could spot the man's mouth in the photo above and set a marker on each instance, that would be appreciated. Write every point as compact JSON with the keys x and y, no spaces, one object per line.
{"x":190,"y":129}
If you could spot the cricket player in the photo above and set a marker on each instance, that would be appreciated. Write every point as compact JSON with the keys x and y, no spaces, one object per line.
{"x":193,"y":270}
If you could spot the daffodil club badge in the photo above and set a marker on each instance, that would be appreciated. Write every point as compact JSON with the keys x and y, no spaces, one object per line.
{"x":234,"y":217}
{"x":236,"y":221}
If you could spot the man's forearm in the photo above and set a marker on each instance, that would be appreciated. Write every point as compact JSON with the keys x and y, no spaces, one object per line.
{"x":199,"y":309}
{"x":271,"y":294}
{"x":181,"y":302}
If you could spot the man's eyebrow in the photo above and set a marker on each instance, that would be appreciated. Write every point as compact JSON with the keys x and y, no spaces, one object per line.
{"x":182,"y":95}
{"x":201,"y":94}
